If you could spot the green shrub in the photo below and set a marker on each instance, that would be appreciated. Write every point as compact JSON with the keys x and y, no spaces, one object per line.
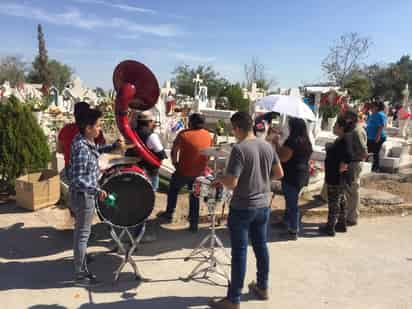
{"x":23,"y":145}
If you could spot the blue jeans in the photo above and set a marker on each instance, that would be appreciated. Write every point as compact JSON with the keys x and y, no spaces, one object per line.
{"x":82,"y":205}
{"x":292,"y":212}
{"x":176,"y":183}
{"x":154,"y":180}
{"x":245,"y":223}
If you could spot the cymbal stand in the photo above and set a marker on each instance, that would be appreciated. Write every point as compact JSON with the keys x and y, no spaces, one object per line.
{"x":207,"y":249}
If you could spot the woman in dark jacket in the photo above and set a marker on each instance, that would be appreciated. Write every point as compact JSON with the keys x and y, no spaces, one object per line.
{"x":294,"y":155}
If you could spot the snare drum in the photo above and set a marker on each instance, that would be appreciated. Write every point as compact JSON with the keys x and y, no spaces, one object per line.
{"x":135,"y":196}
{"x":202,"y":188}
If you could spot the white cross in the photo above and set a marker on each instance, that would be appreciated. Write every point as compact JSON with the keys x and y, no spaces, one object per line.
{"x":197,"y":82}
{"x":197,"y":79}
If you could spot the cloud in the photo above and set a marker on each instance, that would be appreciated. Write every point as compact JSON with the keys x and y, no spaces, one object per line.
{"x":130,"y":8}
{"x":128,"y":36}
{"x":193,"y":58}
{"x":124,"y":7}
{"x":73,"y":17}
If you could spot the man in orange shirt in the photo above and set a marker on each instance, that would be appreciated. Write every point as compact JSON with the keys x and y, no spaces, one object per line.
{"x":189,"y":164}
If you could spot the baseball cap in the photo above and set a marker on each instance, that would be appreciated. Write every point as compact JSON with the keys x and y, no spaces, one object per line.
{"x":145,"y":116}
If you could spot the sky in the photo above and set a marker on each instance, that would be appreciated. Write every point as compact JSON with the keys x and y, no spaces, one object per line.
{"x":291,"y":38}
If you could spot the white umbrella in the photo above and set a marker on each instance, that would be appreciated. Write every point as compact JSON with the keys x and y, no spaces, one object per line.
{"x":287,"y":105}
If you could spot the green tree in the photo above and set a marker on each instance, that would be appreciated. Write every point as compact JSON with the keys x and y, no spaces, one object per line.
{"x":43,"y":69}
{"x":59,"y":74}
{"x":359,"y":87}
{"x":12,"y":69}
{"x":23,"y":145}
{"x":237,"y":101}
{"x":388,"y":81}
{"x":184,"y":75}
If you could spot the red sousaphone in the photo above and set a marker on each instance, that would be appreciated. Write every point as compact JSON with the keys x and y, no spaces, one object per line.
{"x":137,"y":88}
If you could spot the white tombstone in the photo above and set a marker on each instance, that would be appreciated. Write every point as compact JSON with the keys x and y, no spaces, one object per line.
{"x":202,"y":97}
{"x":75,"y":91}
{"x":404,"y":123}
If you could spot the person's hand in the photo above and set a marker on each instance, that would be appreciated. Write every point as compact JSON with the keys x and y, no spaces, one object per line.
{"x":343,"y":167}
{"x":216,"y":183}
{"x":120,"y":143}
{"x":102,"y":195}
{"x":274,"y":139}
{"x":377,"y":139}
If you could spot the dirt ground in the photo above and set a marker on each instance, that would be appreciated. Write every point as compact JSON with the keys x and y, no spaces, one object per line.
{"x":402,"y":189}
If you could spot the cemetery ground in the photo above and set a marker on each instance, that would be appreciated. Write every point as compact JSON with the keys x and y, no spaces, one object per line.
{"x":368,"y":267}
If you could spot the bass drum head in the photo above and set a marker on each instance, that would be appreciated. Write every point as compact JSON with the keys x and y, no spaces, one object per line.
{"x":134,"y":202}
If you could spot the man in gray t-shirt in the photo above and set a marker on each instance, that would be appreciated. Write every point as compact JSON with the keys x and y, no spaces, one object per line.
{"x":251,"y":161}
{"x":252,"y":164}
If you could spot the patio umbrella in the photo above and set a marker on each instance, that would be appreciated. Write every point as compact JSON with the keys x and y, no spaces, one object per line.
{"x":287,"y":105}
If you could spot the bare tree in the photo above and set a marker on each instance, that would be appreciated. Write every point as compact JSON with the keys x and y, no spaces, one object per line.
{"x":345,"y":57}
{"x":12,"y":69}
{"x":255,"y":72}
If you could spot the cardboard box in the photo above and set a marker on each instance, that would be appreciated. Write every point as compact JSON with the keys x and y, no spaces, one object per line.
{"x":38,"y":190}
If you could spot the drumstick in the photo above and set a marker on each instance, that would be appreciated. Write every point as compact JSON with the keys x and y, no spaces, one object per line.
{"x":129,"y":146}
{"x":219,"y":221}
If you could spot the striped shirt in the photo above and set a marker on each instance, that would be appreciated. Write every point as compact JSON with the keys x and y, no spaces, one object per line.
{"x":84,"y":164}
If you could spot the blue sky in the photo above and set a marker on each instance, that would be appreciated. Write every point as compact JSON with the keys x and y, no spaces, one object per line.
{"x":289,"y":37}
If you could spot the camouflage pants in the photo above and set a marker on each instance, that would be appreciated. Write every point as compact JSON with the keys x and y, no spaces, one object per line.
{"x":336,"y":204}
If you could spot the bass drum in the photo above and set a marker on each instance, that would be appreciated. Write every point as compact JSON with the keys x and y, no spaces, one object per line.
{"x":135,"y":197}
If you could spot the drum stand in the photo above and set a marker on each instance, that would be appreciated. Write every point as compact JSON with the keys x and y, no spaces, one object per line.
{"x":207,"y":249}
{"x":118,"y":237}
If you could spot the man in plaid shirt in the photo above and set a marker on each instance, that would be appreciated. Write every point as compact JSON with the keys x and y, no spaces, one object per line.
{"x":84,"y":189}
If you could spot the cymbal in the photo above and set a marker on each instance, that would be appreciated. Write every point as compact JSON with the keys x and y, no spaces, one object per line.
{"x":107,"y":160}
{"x":215,"y":152}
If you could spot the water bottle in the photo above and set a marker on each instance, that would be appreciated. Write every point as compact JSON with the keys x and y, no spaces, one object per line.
{"x":110,"y":200}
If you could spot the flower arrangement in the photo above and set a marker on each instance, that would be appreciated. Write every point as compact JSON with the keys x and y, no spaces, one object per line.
{"x":314,"y":168}
{"x":37,"y":104}
{"x":329,"y":109}
{"x":220,"y":127}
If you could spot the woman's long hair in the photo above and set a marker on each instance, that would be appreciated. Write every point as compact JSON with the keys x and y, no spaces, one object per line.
{"x":299,"y":133}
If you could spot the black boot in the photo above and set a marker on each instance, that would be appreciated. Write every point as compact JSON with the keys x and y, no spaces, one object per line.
{"x":166,"y":216}
{"x":327,"y":229}
{"x":341,"y":227}
{"x":193,"y":228}
{"x":86,"y":279}
{"x":289,"y":235}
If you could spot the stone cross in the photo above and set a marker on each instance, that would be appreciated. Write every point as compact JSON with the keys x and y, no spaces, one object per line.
{"x":253,"y":92}
{"x":404,"y":123}
{"x":168,"y":87}
{"x":405,"y":93}
{"x":197,"y":81}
